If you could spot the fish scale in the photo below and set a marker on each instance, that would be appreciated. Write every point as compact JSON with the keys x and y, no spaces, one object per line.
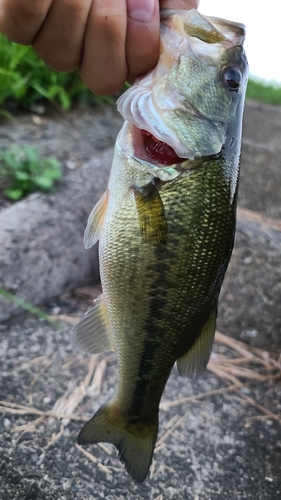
{"x":166,"y":233}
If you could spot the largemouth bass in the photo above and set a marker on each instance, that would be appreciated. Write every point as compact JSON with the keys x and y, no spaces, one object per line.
{"x":166,"y":226}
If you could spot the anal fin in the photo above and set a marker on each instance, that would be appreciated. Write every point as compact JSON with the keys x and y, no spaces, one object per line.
{"x":95,"y":221}
{"x":195,"y":361}
{"x":151,"y":214}
{"x":92,"y":334}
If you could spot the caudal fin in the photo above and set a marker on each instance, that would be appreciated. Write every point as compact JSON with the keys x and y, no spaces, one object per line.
{"x":134,"y":441}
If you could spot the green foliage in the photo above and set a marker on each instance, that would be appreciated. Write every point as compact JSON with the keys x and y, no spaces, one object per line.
{"x":260,"y":90}
{"x":23,"y":171}
{"x":25,"y":79}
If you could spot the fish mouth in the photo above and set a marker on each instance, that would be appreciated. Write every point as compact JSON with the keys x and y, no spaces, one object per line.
{"x":152,"y":150}
{"x":158,"y":151}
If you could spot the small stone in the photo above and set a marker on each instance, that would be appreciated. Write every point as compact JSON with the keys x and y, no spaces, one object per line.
{"x":245,"y":390}
{"x":248,"y":260}
{"x":252,"y":333}
{"x":39,"y":109}
{"x":37,"y":120}
{"x":70,"y":164}
{"x":7,"y":423}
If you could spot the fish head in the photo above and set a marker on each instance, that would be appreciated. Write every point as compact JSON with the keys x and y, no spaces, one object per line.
{"x":186,"y":107}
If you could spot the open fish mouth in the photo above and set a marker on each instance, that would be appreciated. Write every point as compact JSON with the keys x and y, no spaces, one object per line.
{"x":159,"y":151}
{"x":149,"y":148}
{"x":173,"y":118}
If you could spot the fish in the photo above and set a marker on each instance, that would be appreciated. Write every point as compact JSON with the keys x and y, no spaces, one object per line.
{"x":166,"y":226}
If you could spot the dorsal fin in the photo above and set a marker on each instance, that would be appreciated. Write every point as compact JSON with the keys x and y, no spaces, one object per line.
{"x":95,"y":221}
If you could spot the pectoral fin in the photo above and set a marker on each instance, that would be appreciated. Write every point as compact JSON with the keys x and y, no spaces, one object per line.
{"x":195,"y":361}
{"x":92,"y":334}
{"x":151,"y":214}
{"x":95,"y":221}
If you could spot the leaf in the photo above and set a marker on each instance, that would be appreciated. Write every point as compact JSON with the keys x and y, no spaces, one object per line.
{"x":13,"y":194}
{"x":52,"y":162}
{"x":22,"y":176}
{"x":31,"y":154}
{"x":52,"y":173}
{"x":10,"y":160}
{"x":64,"y":100}
{"x":44,"y":183}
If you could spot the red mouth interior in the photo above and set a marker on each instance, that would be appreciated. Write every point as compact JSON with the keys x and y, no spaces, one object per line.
{"x":159,"y":151}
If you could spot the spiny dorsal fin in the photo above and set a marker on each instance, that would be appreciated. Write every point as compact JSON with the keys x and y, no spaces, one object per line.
{"x":134,"y":441}
{"x":91,"y":334}
{"x":95,"y":221}
{"x":151,"y":214}
{"x":195,"y":361}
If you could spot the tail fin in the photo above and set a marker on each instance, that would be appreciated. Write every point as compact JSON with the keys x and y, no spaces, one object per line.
{"x":134,"y":441}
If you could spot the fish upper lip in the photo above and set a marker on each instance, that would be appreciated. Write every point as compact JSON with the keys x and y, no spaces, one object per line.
{"x":189,"y":109}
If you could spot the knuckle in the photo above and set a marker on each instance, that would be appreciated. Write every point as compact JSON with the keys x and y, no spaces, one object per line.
{"x":109,"y":88}
{"x":103,"y":87}
{"x":59,"y":63}
{"x":22,"y":20}
{"x":30,"y":13}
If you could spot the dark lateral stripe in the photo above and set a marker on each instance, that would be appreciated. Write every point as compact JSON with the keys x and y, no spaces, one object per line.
{"x":152,"y":344}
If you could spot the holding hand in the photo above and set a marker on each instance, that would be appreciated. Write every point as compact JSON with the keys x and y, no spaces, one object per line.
{"x":110,"y":40}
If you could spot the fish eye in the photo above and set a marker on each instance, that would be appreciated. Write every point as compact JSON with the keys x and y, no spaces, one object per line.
{"x":232,"y":77}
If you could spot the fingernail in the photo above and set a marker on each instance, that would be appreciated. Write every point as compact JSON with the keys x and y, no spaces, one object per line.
{"x":142,"y":11}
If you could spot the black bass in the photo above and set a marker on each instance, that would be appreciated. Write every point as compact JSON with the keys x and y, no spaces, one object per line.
{"x":166,"y":226}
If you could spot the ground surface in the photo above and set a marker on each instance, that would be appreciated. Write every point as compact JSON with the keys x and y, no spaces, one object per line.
{"x":221,"y":445}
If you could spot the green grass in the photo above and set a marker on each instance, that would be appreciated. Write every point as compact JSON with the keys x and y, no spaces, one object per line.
{"x":263,"y":91}
{"x":25,"y":80}
{"x":27,"y":306}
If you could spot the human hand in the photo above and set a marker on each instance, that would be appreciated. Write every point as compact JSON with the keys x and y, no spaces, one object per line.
{"x":110,"y":40}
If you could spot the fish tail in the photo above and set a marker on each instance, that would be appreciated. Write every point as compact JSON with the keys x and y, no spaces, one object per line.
{"x":134,"y":441}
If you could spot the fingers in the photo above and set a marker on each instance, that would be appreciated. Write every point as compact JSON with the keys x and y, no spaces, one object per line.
{"x":60,"y":40}
{"x":21,"y":21}
{"x":103,"y":67}
{"x":142,"y":40}
{"x":111,"y":40}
